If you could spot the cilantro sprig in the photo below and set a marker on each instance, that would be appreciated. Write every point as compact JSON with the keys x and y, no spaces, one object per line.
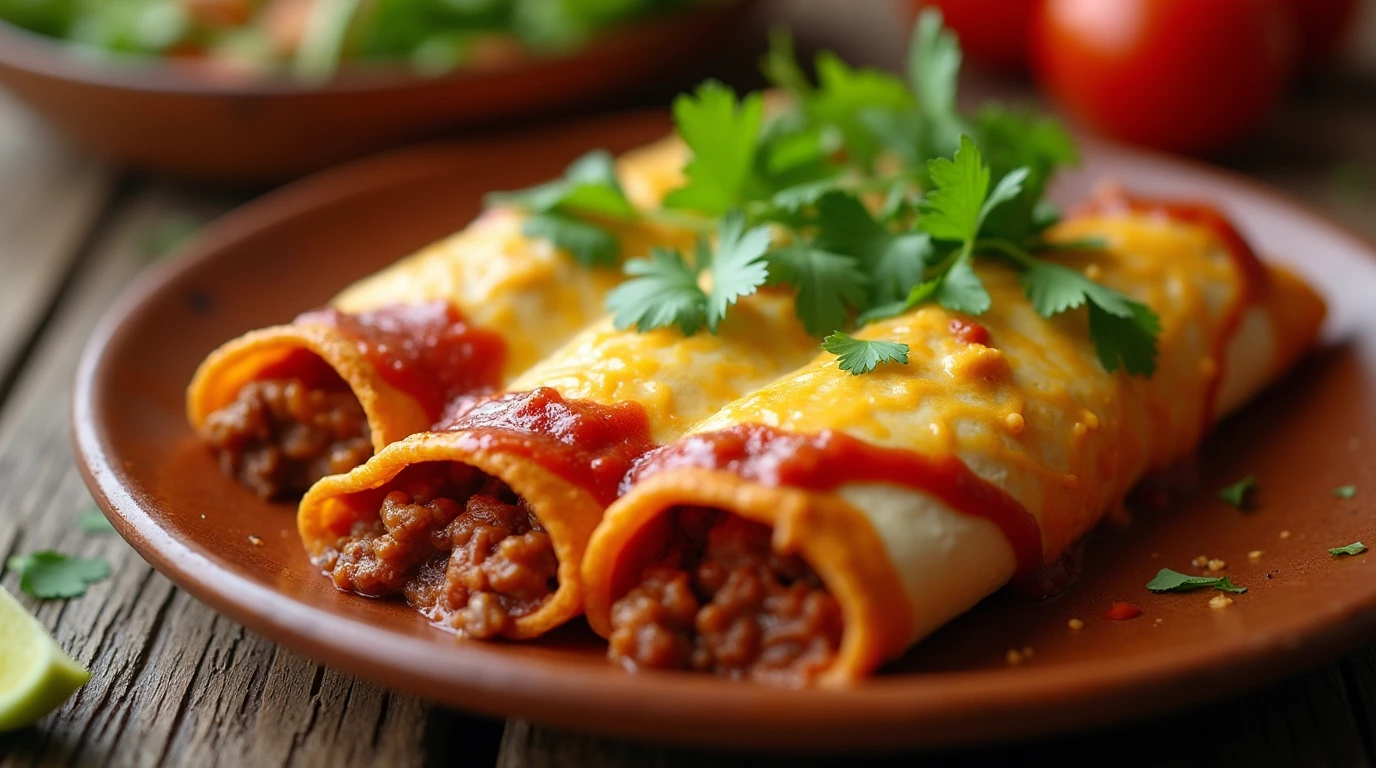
{"x":1237,"y":494}
{"x":666,"y":290}
{"x":869,"y":194}
{"x":863,"y":355}
{"x":1167,"y":580}
{"x":51,"y":575}
{"x":565,"y":211}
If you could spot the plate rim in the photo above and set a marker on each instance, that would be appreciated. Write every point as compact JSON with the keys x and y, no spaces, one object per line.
{"x":881,"y":713}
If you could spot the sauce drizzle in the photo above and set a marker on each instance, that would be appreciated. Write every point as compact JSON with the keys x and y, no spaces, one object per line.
{"x":588,"y":444}
{"x":429,"y":351}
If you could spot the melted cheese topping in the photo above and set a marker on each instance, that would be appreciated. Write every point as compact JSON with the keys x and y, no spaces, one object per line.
{"x":679,"y":381}
{"x":534,"y":293}
{"x":1034,"y":412}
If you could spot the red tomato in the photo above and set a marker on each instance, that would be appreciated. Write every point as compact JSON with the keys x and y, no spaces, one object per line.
{"x":992,"y":32}
{"x":1182,"y":75}
{"x":1320,"y":24}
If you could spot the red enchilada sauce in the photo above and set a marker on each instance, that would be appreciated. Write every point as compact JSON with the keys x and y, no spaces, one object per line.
{"x":590,"y":445}
{"x":462,"y":546}
{"x":299,"y":422}
{"x":429,"y":351}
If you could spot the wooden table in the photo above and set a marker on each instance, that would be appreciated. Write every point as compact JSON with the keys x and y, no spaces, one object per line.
{"x":175,"y":683}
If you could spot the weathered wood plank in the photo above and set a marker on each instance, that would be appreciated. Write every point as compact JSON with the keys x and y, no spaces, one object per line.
{"x":173,"y":683}
{"x":1304,"y":721}
{"x":52,"y":195}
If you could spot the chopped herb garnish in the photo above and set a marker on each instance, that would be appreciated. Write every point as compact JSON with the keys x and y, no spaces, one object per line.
{"x":863,"y":355}
{"x":1238,"y":493}
{"x":663,"y":291}
{"x":666,"y":291}
{"x":1355,"y":548}
{"x":867,"y":195}
{"x":1345,"y":492}
{"x":53,"y":575}
{"x":588,"y":188}
{"x":591,"y":244}
{"x":1174,"y":581}
{"x":723,"y":133}
{"x":93,"y":521}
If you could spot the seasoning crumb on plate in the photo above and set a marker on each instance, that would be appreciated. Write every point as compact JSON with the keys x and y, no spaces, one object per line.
{"x":1200,"y":562}
{"x":1215,"y":565}
{"x":1219,"y":602}
{"x":1075,"y":624}
{"x":1285,"y":534}
{"x":255,"y":541}
{"x":1254,"y":556}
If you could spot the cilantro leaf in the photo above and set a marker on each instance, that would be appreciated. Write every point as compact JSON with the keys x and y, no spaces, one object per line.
{"x":1013,"y":140}
{"x":1053,"y":288}
{"x":588,"y":186}
{"x":827,"y":284}
{"x":48,"y":575}
{"x":1236,"y":494}
{"x":789,"y":153}
{"x":664,"y":292}
{"x":844,"y":95}
{"x":862,"y":355}
{"x":94,"y":522}
{"x":590,"y":244}
{"x":722,"y":132}
{"x":1351,"y":550}
{"x":1168,"y":580}
{"x":953,"y":208}
{"x":894,"y":262}
{"x":1009,"y":187}
{"x":738,"y":266}
{"x":934,"y":59}
{"x":780,"y":67}
{"x":961,"y":290}
{"x":1126,"y":341}
{"x":793,"y":199}
{"x":1124,"y":331}
{"x":919,"y":293}
{"x":1345,"y":492}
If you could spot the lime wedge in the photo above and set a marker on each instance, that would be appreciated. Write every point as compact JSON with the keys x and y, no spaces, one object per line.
{"x":35,"y":674}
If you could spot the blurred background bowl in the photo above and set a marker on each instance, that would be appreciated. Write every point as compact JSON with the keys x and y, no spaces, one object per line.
{"x":192,"y":119}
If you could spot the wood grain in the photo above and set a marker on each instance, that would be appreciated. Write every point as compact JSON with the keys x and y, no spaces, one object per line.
{"x":50,"y":197}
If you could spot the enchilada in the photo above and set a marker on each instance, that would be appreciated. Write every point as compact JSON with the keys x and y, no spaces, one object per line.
{"x":821,"y":526}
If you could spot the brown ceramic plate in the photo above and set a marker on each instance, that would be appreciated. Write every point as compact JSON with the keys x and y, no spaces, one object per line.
{"x":193,"y":120}
{"x":293,"y":249}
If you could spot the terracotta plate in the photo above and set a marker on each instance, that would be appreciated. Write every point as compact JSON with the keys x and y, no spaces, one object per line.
{"x":293,"y":249}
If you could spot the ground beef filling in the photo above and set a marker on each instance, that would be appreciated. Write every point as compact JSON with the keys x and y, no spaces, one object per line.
{"x":720,"y":600}
{"x":460,"y":546}
{"x":280,"y":435}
